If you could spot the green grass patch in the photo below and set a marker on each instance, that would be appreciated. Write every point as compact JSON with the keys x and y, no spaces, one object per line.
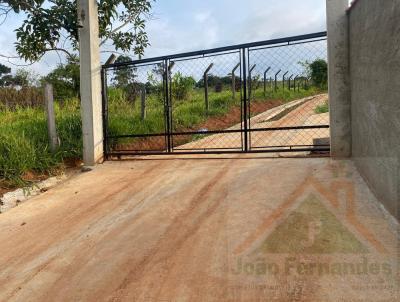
{"x":324,"y":108}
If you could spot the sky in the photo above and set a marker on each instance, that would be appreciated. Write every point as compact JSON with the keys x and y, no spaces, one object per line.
{"x":182,"y":25}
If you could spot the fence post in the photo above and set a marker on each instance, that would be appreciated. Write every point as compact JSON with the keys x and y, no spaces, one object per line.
{"x":51,"y":120}
{"x":294,"y":85}
{"x":290,"y":81}
{"x":143,"y":103}
{"x":276,"y":79}
{"x":265,"y":81}
{"x":251,"y":80}
{"x":283,"y":80}
{"x":206,"y":85}
{"x":234,"y":80}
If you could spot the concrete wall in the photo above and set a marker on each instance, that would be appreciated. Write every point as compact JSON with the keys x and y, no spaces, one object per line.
{"x":374,"y":35}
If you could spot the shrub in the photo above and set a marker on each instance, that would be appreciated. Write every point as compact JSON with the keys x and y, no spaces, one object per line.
{"x":319,"y":73}
{"x":182,"y":86}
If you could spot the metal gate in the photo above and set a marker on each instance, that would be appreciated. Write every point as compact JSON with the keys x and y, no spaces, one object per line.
{"x":255,"y":97}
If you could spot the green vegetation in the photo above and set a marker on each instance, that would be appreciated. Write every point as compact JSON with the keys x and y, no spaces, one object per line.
{"x":65,"y":79}
{"x":24,"y":143}
{"x":34,"y":39}
{"x":317,"y":71}
{"x":324,"y":108}
{"x":23,"y":131}
{"x":124,"y":116}
{"x":24,"y":148}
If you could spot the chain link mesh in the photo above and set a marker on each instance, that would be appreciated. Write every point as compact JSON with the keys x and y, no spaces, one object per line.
{"x":261,"y":98}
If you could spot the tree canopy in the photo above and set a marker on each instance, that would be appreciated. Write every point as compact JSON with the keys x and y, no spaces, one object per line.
{"x":51,"y":25}
{"x":65,"y":79}
{"x":319,"y":73}
{"x":5,"y":76}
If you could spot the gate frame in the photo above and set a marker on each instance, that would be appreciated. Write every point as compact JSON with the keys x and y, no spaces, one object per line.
{"x":243,"y":51}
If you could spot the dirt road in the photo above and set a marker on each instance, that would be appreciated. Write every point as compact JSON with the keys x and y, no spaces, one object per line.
{"x":211,"y":229}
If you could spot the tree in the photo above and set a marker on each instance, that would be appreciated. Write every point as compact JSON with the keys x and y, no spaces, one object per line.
{"x":4,"y":75}
{"x":65,"y":79}
{"x":125,"y":79}
{"x":4,"y":69}
{"x":49,"y":24}
{"x":124,"y":75}
{"x":22,"y":77}
{"x":319,"y":73}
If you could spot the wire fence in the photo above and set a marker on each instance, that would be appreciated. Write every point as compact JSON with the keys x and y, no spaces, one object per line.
{"x":257,"y":97}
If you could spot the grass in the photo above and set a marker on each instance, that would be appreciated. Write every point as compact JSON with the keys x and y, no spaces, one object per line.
{"x":24,"y":147}
{"x":124,"y":117}
{"x":24,"y":144}
{"x":324,"y":108}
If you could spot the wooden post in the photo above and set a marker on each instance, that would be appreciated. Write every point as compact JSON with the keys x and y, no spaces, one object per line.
{"x":51,"y":120}
{"x":143,"y":104}
{"x":234,"y":81}
{"x":206,"y":86}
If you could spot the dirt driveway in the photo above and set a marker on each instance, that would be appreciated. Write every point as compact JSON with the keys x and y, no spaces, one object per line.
{"x":241,"y":228}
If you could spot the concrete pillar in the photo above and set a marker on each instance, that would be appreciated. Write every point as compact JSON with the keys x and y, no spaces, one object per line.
{"x":339,"y":79}
{"x":90,"y":82}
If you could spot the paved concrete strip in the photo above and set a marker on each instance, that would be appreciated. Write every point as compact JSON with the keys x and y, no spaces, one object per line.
{"x":239,"y":228}
{"x":277,"y":112}
{"x":296,"y":113}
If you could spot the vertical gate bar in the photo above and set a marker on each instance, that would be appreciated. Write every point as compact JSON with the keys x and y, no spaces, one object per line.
{"x":244,"y":99}
{"x":170,"y":99}
{"x":164,"y":98}
{"x":167,"y":105}
{"x":241,"y":97}
{"x":105,"y":111}
{"x":206,"y":91}
{"x":250,"y":72}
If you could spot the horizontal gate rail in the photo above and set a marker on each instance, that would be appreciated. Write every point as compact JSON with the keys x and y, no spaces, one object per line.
{"x":159,"y":85}
{"x":287,"y":40}
{"x":224,"y":131}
